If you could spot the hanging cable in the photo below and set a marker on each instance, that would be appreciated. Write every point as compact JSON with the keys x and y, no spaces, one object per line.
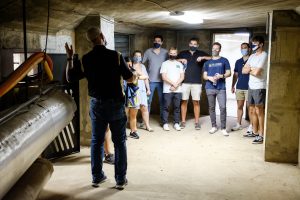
{"x":46,"y":43}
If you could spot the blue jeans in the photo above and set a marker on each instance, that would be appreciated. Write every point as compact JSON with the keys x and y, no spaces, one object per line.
{"x":112,"y":113}
{"x":159,"y":87}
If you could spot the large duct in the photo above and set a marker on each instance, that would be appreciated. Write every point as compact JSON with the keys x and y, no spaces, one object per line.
{"x":25,"y":136}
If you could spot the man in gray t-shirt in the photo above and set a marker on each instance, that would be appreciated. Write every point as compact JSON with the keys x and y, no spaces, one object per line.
{"x":256,"y":66}
{"x":155,"y":57}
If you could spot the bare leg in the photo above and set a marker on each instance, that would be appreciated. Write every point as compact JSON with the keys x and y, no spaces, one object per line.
{"x":240,"y":110}
{"x":260,"y":111}
{"x":184,"y":104}
{"x":196,"y":110}
{"x":254,"y":118}
{"x":132,"y":119}
{"x":145,"y":116}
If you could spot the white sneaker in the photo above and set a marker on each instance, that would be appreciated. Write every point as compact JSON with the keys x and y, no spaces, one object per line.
{"x":213,"y":130}
{"x":237,"y":127}
{"x":250,"y":129}
{"x":177,"y":127}
{"x":225,"y":133}
{"x":166,"y":127}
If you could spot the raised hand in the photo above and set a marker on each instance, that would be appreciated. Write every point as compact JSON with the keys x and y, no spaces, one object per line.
{"x":69,"y":50}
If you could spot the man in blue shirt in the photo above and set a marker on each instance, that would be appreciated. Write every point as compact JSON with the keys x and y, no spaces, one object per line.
{"x":216,"y":71}
{"x":241,"y":80}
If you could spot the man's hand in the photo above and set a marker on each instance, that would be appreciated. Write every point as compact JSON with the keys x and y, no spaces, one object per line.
{"x":233,"y":90}
{"x":211,"y":79}
{"x":183,"y":61}
{"x":172,"y":88}
{"x":148,"y":92}
{"x":246,"y":69}
{"x":69,"y":50}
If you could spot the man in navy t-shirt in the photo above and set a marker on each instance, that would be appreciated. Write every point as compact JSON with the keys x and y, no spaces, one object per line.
{"x":216,"y":71}
{"x":241,"y":80}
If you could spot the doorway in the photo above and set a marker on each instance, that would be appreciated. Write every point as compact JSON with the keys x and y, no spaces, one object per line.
{"x":231,"y":45}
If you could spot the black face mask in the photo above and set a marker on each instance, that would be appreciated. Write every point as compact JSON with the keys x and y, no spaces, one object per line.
{"x":172,"y":57}
{"x":192,"y":48}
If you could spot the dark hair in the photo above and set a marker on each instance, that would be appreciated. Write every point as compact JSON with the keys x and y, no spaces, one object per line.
{"x":217,"y":43}
{"x":159,"y":36}
{"x":195,"y":39}
{"x":137,"y":51}
{"x":245,"y":43}
{"x":259,"y":39}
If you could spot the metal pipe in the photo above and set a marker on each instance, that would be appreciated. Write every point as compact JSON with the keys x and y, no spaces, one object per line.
{"x":24,"y":137}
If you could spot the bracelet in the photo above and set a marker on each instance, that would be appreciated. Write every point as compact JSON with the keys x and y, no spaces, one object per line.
{"x":223,"y":75}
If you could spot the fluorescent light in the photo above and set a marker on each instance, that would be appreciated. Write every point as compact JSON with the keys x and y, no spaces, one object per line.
{"x":189,"y":17}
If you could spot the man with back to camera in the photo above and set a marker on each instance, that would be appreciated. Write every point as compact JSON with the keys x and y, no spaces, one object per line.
{"x":104,"y":69}
{"x":193,"y":59}
{"x":256,"y":66}
{"x":155,"y":57}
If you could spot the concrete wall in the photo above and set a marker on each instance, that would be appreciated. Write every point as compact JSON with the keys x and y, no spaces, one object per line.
{"x":283,"y":108}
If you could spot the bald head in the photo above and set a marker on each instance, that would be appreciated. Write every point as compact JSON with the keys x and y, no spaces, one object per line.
{"x":95,"y":36}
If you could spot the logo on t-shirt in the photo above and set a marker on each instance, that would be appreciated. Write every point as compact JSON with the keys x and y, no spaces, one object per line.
{"x":215,"y":64}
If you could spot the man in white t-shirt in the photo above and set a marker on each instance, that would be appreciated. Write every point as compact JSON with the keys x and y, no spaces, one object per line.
{"x":172,"y":75}
{"x":256,"y":66}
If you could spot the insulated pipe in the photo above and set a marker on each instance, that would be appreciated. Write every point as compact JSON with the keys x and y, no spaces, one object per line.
{"x":24,"y":137}
{"x":32,"y":182}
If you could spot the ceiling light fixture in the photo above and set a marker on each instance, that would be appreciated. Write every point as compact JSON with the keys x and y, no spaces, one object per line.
{"x":189,"y":17}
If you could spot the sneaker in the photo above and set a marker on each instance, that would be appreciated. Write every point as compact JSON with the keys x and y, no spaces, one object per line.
{"x":98,"y":182}
{"x":250,"y":134}
{"x":197,"y":126}
{"x":213,"y":130}
{"x":121,"y":186}
{"x":224,"y":132}
{"x":258,"y":140}
{"x":177,"y":127}
{"x":182,"y":125}
{"x":250,"y":129}
{"x":166,"y":127}
{"x":109,"y":158}
{"x":134,"y":135}
{"x":237,"y":127}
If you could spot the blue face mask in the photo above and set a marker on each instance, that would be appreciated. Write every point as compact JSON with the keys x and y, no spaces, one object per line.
{"x":137,"y":59}
{"x":244,"y":52}
{"x":156,"y":45}
{"x":254,"y":47}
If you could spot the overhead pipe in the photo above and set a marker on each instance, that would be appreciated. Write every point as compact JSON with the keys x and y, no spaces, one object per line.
{"x":25,"y":136}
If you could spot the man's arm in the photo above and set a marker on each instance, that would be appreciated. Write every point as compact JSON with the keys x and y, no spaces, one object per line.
{"x":73,"y":73}
{"x":234,"y":80}
{"x":208,"y":78}
{"x":127,"y":75}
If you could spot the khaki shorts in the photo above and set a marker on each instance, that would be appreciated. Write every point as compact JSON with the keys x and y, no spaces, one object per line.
{"x":193,"y":89}
{"x":241,"y":94}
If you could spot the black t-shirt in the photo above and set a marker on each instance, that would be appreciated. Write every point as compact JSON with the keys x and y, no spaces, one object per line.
{"x":193,"y":71}
{"x":103,"y":69}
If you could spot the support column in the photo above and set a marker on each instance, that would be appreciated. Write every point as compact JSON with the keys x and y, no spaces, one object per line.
{"x":83,"y":46}
{"x":283,"y":108}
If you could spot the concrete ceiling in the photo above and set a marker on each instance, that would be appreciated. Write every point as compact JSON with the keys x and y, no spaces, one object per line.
{"x":140,"y":14}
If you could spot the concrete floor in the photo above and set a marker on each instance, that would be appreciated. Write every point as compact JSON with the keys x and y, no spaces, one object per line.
{"x":181,"y":165}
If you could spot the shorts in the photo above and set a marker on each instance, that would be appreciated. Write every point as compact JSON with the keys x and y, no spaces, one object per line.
{"x":191,"y":88}
{"x":241,"y":94}
{"x":257,"y":97}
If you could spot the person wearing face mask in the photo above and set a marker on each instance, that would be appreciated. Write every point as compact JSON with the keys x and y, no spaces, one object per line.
{"x":172,"y":75}
{"x":241,"y":81}
{"x":141,"y":96}
{"x":155,"y":56}
{"x":193,"y":60}
{"x":256,"y":66}
{"x":104,"y":70}
{"x":215,"y":72}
